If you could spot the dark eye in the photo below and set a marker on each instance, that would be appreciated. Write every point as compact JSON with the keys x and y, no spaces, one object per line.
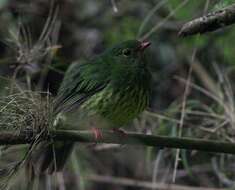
{"x":126,"y":52}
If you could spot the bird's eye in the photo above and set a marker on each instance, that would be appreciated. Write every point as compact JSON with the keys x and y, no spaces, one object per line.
{"x":126,"y":52}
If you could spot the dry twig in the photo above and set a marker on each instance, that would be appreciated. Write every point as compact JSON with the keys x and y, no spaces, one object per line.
{"x":210,"y":22}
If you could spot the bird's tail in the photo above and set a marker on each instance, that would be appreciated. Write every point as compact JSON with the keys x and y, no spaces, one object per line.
{"x":48,"y":158}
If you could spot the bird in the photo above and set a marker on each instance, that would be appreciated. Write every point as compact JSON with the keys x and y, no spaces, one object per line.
{"x":113,"y":88}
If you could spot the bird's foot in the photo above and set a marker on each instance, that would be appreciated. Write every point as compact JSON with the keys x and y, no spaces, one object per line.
{"x":97,"y":133}
{"x":119,"y":131}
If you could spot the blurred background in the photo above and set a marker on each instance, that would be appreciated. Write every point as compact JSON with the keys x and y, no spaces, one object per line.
{"x":193,"y":86}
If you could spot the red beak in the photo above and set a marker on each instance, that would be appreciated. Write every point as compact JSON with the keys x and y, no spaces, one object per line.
{"x":144,"y":45}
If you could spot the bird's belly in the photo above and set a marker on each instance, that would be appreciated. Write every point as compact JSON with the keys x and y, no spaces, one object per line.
{"x":117,"y":109}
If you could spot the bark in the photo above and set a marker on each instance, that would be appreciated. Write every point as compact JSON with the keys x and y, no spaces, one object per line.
{"x":210,"y":22}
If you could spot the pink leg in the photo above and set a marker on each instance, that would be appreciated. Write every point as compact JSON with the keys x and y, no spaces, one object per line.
{"x":97,"y":133}
{"x":119,"y":131}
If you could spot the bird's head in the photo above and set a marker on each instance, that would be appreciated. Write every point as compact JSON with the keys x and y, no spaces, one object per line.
{"x":126,"y":60}
{"x":121,"y":64}
{"x":129,"y":52}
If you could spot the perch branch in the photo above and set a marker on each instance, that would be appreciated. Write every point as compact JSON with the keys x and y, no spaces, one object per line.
{"x":8,"y":138}
{"x":210,"y":22}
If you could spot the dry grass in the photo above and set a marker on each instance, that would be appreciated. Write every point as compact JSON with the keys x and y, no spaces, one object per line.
{"x":25,"y":110}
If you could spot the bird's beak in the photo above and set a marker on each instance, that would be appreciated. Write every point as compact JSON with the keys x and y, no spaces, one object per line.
{"x":144,"y":45}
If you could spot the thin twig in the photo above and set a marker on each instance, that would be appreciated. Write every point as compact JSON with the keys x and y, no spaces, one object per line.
{"x":158,"y":25}
{"x":150,"y":15}
{"x":142,"y":184}
{"x":186,"y":92}
{"x":114,"y":5}
{"x":60,"y":179}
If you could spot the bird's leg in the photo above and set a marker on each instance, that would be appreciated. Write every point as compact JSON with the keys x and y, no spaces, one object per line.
{"x":97,"y":133}
{"x":119,"y":131}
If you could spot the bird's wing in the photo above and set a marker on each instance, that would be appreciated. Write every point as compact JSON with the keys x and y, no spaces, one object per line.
{"x":75,"y":90}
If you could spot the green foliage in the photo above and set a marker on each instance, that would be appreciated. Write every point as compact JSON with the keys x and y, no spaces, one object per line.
{"x":222,"y":4}
{"x":226,"y":43}
{"x":121,"y":30}
{"x":194,"y":42}
{"x":188,"y":11}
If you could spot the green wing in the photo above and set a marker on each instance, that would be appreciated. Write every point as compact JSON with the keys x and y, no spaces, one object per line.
{"x":79,"y":83}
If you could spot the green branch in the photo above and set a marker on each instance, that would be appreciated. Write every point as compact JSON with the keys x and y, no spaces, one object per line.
{"x":7,"y":138}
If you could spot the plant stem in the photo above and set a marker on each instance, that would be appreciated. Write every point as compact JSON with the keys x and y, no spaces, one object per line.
{"x":11,"y":138}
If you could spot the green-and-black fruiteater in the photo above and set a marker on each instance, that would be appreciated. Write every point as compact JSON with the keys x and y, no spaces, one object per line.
{"x":113,"y":88}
